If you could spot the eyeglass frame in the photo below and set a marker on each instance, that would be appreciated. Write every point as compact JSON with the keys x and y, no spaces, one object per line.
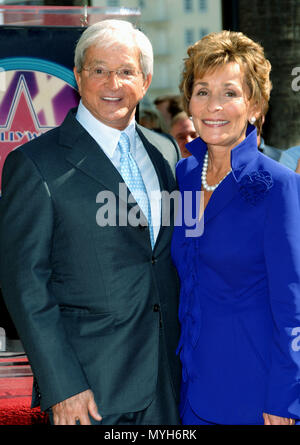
{"x":107,"y":73}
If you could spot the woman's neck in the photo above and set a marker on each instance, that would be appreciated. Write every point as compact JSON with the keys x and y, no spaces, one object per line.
{"x":219,"y":160}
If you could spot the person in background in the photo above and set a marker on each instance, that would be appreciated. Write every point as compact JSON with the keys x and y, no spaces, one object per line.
{"x":168,"y":106}
{"x":153,"y":121}
{"x":268,"y":150}
{"x":239,"y":258}
{"x":183,"y":130}
{"x":150,"y":119}
{"x":94,"y":298}
{"x":291,"y":158}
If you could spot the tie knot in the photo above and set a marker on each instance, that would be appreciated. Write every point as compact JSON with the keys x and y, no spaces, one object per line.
{"x":124,"y":143}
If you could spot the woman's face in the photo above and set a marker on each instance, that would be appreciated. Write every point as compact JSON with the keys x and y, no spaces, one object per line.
{"x":220,"y":107}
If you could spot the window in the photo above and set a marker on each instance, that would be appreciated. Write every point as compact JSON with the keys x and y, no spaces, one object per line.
{"x":188,"y":5}
{"x":161,"y":79}
{"x":203,"y":32}
{"x":189,"y":37}
{"x":113,"y":2}
{"x":202,"y":5}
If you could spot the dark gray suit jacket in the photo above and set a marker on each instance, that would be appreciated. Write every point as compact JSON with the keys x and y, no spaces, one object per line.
{"x":87,"y":301}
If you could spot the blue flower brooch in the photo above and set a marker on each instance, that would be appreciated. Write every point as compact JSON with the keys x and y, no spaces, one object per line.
{"x":255,"y":185}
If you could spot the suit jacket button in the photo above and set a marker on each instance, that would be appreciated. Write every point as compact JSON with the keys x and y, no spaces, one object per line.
{"x":156,"y":307}
{"x":153,"y":260}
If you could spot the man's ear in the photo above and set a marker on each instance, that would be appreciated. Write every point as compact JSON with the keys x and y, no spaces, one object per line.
{"x":147,"y":82}
{"x":77,"y":78}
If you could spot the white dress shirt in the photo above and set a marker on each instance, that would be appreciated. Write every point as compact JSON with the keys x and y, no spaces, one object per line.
{"x":107,"y":138}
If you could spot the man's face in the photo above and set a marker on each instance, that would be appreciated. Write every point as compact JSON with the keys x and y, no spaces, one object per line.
{"x":184,"y":132}
{"x":162,"y":107}
{"x":112,"y":100}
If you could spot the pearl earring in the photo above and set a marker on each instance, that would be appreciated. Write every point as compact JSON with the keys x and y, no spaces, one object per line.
{"x":252,"y":120}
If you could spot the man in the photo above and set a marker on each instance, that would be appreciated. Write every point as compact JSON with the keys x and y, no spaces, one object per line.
{"x":291,"y":158}
{"x":168,"y":106}
{"x":183,"y":130}
{"x":268,"y":150}
{"x":95,"y":304}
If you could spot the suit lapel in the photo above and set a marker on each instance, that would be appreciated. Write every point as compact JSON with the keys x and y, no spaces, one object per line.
{"x":91,"y":160}
{"x":86,"y":156}
{"x":157,"y":160}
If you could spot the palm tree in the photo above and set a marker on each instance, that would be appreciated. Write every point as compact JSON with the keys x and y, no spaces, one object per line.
{"x":276,"y":25}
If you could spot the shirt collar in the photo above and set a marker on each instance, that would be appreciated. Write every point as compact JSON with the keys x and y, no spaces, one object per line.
{"x":107,"y":137}
{"x":241,"y":155}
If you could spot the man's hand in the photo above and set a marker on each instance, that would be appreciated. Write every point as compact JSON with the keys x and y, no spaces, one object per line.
{"x":298,"y":166}
{"x":269,"y":419}
{"x":76,"y":408}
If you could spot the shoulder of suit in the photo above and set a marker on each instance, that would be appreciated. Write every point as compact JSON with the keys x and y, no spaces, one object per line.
{"x":278,"y":171}
{"x":48,"y":143}
{"x":285,"y":182}
{"x":165,"y":145}
{"x":154,"y":135}
{"x":160,"y":141}
{"x":45,"y":141}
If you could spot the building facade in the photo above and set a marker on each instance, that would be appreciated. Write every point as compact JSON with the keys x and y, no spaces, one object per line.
{"x":172,"y":26}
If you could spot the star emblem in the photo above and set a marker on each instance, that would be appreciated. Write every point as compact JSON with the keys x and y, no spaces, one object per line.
{"x":22,"y":124}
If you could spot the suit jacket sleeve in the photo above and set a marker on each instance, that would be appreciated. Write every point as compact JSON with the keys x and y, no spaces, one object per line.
{"x":282,"y":254}
{"x":27,"y":222}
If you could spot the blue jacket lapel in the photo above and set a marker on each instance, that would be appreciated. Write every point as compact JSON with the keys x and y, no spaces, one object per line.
{"x":243,"y":158}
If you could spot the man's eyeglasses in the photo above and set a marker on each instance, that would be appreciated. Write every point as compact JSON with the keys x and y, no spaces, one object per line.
{"x":99,"y":73}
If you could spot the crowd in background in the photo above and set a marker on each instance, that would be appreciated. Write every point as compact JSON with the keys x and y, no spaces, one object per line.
{"x":169,"y":118}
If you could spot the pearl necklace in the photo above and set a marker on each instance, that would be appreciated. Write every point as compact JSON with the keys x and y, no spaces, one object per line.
{"x":209,"y":188}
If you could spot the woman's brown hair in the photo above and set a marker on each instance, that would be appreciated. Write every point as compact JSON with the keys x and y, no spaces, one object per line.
{"x":217,"y":49}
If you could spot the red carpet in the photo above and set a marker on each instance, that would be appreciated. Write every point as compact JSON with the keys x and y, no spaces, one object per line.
{"x":15,"y":393}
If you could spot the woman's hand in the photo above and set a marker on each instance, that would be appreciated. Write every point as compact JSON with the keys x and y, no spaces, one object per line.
{"x":269,"y":419}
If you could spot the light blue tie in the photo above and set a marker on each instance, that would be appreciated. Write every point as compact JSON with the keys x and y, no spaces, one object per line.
{"x":134,"y":181}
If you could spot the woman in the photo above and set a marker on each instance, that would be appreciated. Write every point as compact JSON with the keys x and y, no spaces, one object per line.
{"x":240,"y":279}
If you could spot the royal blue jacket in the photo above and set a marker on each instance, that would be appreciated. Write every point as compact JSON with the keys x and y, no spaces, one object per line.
{"x":240,"y":288}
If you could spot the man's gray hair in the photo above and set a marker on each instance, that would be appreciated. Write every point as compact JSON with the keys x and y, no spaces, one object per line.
{"x":107,"y":33}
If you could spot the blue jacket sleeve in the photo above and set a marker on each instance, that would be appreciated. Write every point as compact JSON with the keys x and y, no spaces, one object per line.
{"x":290,"y":157}
{"x":282,"y":256}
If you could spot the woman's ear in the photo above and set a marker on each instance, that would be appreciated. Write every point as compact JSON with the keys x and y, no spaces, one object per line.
{"x":255,"y":113}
